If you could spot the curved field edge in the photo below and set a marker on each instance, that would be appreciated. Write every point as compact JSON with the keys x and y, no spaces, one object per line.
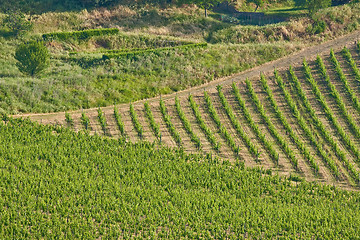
{"x":62,"y":184}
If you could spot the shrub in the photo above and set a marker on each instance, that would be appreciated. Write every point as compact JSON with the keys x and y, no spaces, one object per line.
{"x":79,"y":35}
{"x":32,"y":57}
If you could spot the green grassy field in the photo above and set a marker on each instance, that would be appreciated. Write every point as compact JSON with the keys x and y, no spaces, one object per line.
{"x":71,"y":83}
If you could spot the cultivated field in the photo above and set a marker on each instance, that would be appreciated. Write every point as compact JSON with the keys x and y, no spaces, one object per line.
{"x":301,"y":119}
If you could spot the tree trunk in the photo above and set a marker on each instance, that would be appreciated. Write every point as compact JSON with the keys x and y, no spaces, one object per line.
{"x":206,"y":12}
{"x":257,"y":6}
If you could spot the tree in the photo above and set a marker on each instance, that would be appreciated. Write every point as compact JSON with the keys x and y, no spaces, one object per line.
{"x":32,"y":57}
{"x":313,"y":5}
{"x":258,"y":3}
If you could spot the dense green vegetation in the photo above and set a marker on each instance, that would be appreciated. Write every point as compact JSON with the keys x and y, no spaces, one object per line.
{"x":93,"y":187}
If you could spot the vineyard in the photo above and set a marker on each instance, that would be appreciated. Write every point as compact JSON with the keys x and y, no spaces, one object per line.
{"x":302,"y":120}
{"x":59,"y":184}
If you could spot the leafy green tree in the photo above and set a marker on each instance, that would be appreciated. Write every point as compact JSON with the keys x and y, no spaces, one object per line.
{"x":313,"y":5}
{"x":258,"y":3}
{"x":32,"y":57}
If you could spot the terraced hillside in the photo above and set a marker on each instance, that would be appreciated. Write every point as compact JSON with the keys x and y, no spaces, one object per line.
{"x":302,"y":119}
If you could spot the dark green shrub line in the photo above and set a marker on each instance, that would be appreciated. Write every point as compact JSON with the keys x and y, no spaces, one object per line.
{"x":323,"y":130}
{"x":334,"y":92}
{"x":255,"y":127}
{"x":119,"y":121}
{"x":152,"y":50}
{"x":303,"y":124}
{"x":283,"y":143}
{"x":208,"y":133}
{"x":174,"y":133}
{"x":222,"y":129}
{"x":187,"y":125}
{"x":79,"y":35}
{"x":329,"y":113}
{"x":68,"y":119}
{"x":154,"y":126}
{"x":253,"y":149}
{"x":85,"y":121}
{"x":344,"y":80}
{"x":299,"y":143}
{"x":135,"y":120}
{"x":346,"y":53}
{"x":102,"y":120}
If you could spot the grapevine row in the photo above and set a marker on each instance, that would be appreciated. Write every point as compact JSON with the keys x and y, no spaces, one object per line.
{"x":330,"y":115}
{"x":344,"y":80}
{"x":194,"y":138}
{"x":69,"y":119}
{"x":214,"y":115}
{"x":299,"y":143}
{"x":209,"y":134}
{"x":350,"y":60}
{"x":85,"y":121}
{"x":330,"y":162}
{"x":268,"y":145}
{"x":235,"y":122}
{"x":135,"y":120}
{"x":337,"y":97}
{"x":119,"y":121}
{"x":283,"y":143}
{"x":169,"y":124}
{"x":154,"y":126}
{"x":102,"y":120}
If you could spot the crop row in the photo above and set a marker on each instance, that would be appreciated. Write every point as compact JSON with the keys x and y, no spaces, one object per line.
{"x":255,"y":127}
{"x":299,"y":143}
{"x":208,"y":133}
{"x":119,"y":122}
{"x":223,"y":130}
{"x":341,"y":105}
{"x":283,"y":143}
{"x":344,"y":80}
{"x":332,"y":118}
{"x":186,"y":123}
{"x":85,"y":121}
{"x":350,"y":60}
{"x":236,"y":124}
{"x":102,"y":120}
{"x":135,"y":120}
{"x":169,"y":124}
{"x":154,"y":126}
{"x":303,"y":124}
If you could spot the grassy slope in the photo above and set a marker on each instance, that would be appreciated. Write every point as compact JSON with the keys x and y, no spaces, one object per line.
{"x":93,"y":187}
{"x":67,"y":85}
